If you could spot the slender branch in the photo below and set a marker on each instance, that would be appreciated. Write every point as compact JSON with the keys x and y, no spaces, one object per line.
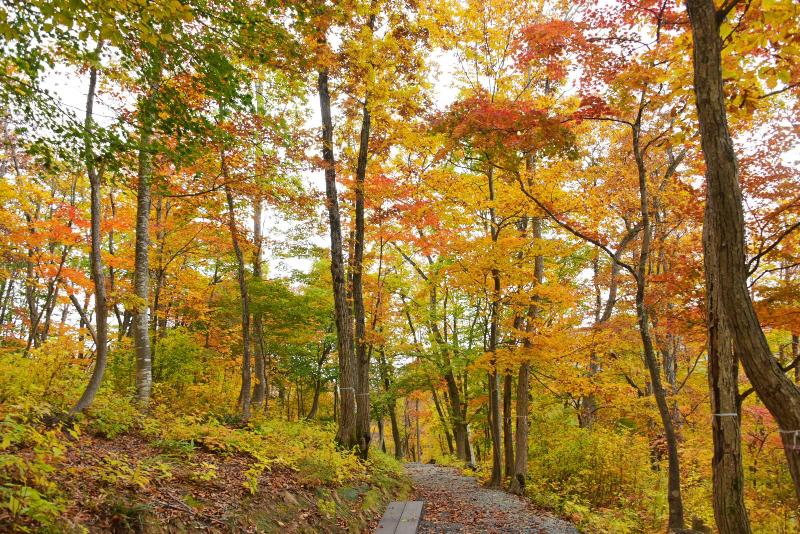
{"x":84,"y":316}
{"x":633,"y":384}
{"x":691,"y":371}
{"x":794,"y":363}
{"x":774,"y":269}
{"x":615,"y":256}
{"x":744,"y":394}
{"x":726,"y":8}
{"x":779,"y":91}
{"x":411,"y":262}
{"x":608,"y":119}
{"x":752,"y":265}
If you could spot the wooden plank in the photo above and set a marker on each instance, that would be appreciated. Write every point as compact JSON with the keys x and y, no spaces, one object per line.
{"x":391,"y":518}
{"x":409,"y":521}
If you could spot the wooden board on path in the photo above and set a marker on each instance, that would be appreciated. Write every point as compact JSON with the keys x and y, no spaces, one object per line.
{"x":401,"y":518}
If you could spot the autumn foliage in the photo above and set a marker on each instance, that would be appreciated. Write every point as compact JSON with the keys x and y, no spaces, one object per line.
{"x":472,"y":232}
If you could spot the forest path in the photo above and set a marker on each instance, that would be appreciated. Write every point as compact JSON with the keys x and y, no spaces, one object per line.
{"x":455,"y":503}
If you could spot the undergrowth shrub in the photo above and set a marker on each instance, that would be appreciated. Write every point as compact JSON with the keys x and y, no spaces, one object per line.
{"x":28,"y":495}
{"x":385,"y":470}
{"x":49,"y":372}
{"x":180,"y":360}
{"x":326,"y":465}
{"x":186,"y":415}
{"x":306,"y":448}
{"x":120,"y":374}
{"x":185,"y":377}
{"x":602,"y":479}
{"x":769,"y":491}
{"x":111,"y":415}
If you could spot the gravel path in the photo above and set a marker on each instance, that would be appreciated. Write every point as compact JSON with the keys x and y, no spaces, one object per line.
{"x":455,"y":503}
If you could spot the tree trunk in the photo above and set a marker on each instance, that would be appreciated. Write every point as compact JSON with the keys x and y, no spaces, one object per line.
{"x":288,"y":401}
{"x":406,"y":433}
{"x":508,"y":433}
{"x":381,"y":436}
{"x":674,"y":500}
{"x":5,"y":303}
{"x":494,"y":394}
{"x":362,"y":356}
{"x":325,"y":350}
{"x":244,"y":394}
{"x":336,"y":402}
{"x":346,"y":435}
{"x":494,"y":427}
{"x":723,"y":370}
{"x":795,"y":355}
{"x":419,"y":438}
{"x":396,"y":438}
{"x":725,"y":236}
{"x":141,"y":275}
{"x":391,"y":404}
{"x":259,"y":360}
{"x":30,"y":293}
{"x":300,"y":402}
{"x":470,"y":452}
{"x":457,"y":416}
{"x":260,"y":386}
{"x":51,"y":306}
{"x":312,"y":412}
{"x":118,"y":313}
{"x":95,"y":256}
{"x":442,"y":418}
{"x":267,"y":389}
{"x":520,"y":474}
{"x":520,"y":477}
{"x":159,"y":272}
{"x":7,"y":283}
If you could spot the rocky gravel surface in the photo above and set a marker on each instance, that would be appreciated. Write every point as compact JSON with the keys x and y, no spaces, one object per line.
{"x":455,"y":503}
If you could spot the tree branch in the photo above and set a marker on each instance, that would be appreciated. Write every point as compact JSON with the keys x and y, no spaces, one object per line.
{"x":725,"y":9}
{"x":751,"y":266}
{"x":408,"y":258}
{"x":84,"y":317}
{"x":615,"y":256}
{"x":630,"y":381}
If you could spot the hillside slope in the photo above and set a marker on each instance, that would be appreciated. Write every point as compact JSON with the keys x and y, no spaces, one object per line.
{"x":117,"y":471}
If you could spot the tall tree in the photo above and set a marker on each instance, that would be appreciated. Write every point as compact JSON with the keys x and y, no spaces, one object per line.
{"x":362,"y":355}
{"x":495,"y":425}
{"x":347,"y":433}
{"x":95,"y":256}
{"x":520,"y":473}
{"x":260,"y":388}
{"x":241,"y":277}
{"x":724,"y":253}
{"x":141,"y":282}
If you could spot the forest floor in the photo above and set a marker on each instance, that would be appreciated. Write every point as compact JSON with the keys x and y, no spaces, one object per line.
{"x":455,"y":503}
{"x":172,"y":474}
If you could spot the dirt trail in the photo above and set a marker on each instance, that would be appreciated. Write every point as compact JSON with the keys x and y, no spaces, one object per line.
{"x":455,"y":503}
